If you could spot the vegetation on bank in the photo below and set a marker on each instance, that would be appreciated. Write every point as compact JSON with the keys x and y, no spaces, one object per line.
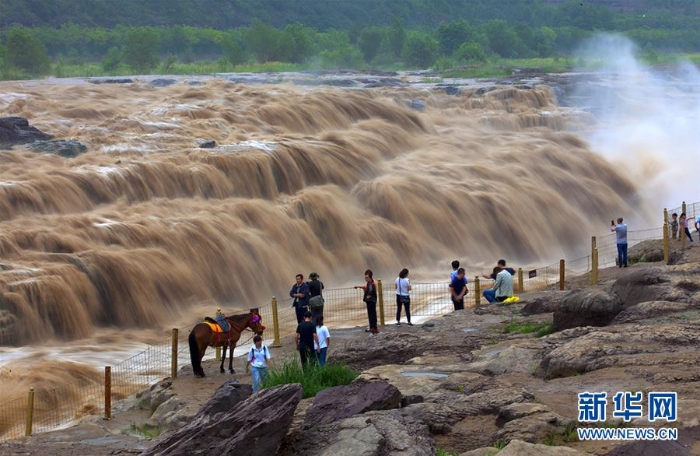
{"x":458,"y":38}
{"x":314,"y":379}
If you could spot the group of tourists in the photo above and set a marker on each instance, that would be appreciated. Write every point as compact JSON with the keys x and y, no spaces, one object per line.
{"x":501,"y":290}
{"x":683,"y":224}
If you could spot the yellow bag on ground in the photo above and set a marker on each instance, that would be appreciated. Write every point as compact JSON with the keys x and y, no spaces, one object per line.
{"x":511,"y":300}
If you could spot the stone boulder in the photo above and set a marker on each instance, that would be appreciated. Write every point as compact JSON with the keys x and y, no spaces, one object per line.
{"x":649,"y":251}
{"x":207,"y":144}
{"x":684,"y":446}
{"x":520,"y":448}
{"x":16,"y":130}
{"x":255,"y":426}
{"x":162,"y":82}
{"x":418,"y":105}
{"x":540,"y":303}
{"x":586,"y":308}
{"x":340,"y":402}
{"x":371,"y":434}
{"x":64,"y":147}
{"x":484,"y":451}
{"x":649,"y":310}
{"x":168,"y":416}
{"x":643,"y":285}
{"x":156,"y":395}
{"x":529,"y":422}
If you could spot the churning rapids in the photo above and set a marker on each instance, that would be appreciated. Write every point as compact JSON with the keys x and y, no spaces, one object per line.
{"x":147,"y":230}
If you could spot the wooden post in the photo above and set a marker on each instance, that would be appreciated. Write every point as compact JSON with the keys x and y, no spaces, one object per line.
{"x":276,"y":324}
{"x":666,"y":235}
{"x":218,"y":349}
{"x":30,"y":412}
{"x":681,"y":229}
{"x":108,"y":392}
{"x":595,"y":267}
{"x":477,"y":291}
{"x":562,"y":275}
{"x":173,"y":354}
{"x":593,"y":262}
{"x":380,"y":299}
{"x":521,"y":285}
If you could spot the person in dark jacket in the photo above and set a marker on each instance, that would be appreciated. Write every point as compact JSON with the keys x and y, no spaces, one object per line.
{"x":300,"y":297}
{"x":316,"y":300}
{"x":370,"y":299}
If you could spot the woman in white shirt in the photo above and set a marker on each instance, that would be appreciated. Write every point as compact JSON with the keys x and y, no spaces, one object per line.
{"x":257,"y":358}
{"x":403,"y":298}
{"x":324,"y":338}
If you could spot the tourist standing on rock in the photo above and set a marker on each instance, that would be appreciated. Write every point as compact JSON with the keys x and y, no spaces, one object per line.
{"x":403,"y":298}
{"x":674,"y":225}
{"x":458,"y":288}
{"x":370,"y":299}
{"x":684,"y":223}
{"x":324,"y":339}
{"x":316,"y":300}
{"x":621,"y":232}
{"x":300,"y":295}
{"x":503,"y":287}
{"x":258,"y":357}
{"x":697,"y":223}
{"x":501,"y":265}
{"x":306,"y":338}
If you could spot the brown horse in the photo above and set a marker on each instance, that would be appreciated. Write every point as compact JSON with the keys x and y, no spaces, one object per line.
{"x":202,"y":336}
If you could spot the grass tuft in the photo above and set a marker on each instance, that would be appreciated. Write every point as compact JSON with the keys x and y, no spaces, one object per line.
{"x":313,"y":380}
{"x":524,"y":327}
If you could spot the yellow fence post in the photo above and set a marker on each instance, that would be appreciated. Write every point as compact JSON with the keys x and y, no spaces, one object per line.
{"x":108,"y":392}
{"x":666,"y":235}
{"x":562,"y":275}
{"x":477,"y":291}
{"x":30,"y":412}
{"x":593,"y":262}
{"x":521,"y":285}
{"x":595,"y":266}
{"x":276,"y":324}
{"x":681,"y":229}
{"x":173,"y":354}
{"x":380,"y":299}
{"x":218,"y":349}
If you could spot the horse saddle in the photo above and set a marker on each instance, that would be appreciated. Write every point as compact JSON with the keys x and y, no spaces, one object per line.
{"x":218,"y":326}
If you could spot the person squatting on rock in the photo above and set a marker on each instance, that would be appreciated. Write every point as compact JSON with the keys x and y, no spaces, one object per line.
{"x":324,"y":339}
{"x":306,"y":339}
{"x":403,"y":297}
{"x":258,"y":357}
{"x":503,"y":287}
{"x":316,"y":300}
{"x":458,"y":289}
{"x":490,"y":293}
{"x":300,"y":295}
{"x":621,"y":232}
{"x":370,"y":299}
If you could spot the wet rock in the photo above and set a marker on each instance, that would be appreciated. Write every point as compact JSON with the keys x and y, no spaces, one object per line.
{"x":156,"y":395}
{"x":533,"y":426}
{"x":340,"y":83}
{"x":253,"y":427}
{"x":452,"y":90}
{"x":167,"y":416}
{"x":207,"y":144}
{"x":418,"y":105}
{"x":586,"y":308}
{"x":523,"y":358}
{"x":648,"y":251}
{"x":162,"y":82}
{"x":368,"y":352}
{"x":110,"y":81}
{"x":65,"y":148}
{"x":485,"y":451}
{"x":374,"y":433}
{"x":340,"y":402}
{"x":16,"y":130}
{"x":520,"y":448}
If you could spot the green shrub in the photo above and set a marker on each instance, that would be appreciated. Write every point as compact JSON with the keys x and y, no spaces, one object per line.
{"x":314,"y":379}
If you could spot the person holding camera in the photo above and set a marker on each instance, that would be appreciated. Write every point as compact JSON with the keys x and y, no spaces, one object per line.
{"x":621,"y":232}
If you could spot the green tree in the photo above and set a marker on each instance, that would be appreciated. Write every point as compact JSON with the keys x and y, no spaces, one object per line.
{"x":502,"y":39}
{"x":470,"y":52}
{"x":452,"y":35}
{"x":397,"y":36}
{"x":26,"y":52}
{"x":112,"y":59}
{"x":141,"y":51}
{"x":266,"y":42}
{"x":298,"y":43}
{"x":234,"y":47}
{"x":369,"y":42}
{"x":544,"y":38}
{"x":420,"y":50}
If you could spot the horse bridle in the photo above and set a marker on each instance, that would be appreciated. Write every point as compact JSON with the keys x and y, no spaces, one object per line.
{"x":240,"y":331}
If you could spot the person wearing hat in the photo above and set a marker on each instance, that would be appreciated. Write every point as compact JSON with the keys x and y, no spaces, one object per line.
{"x":305,"y":338}
{"x":300,"y":297}
{"x":316,"y":300}
{"x":258,"y":356}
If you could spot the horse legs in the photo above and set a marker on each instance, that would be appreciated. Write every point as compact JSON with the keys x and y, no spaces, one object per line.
{"x":223,"y":358}
{"x":230,"y":361}
{"x":200,"y":370}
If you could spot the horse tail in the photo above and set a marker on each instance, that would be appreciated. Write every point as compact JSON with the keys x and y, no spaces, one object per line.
{"x":194,"y":353}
